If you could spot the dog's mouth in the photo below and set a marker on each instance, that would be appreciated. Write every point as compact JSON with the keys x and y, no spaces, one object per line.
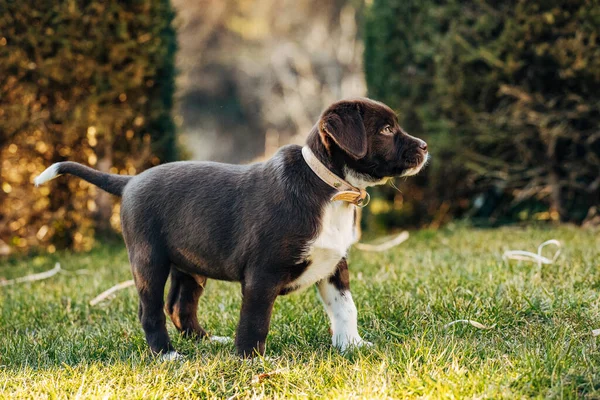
{"x":416,"y":164}
{"x":410,"y":166}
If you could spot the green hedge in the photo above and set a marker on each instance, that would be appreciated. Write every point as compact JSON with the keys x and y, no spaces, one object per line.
{"x":508,"y":95}
{"x":89,"y":81}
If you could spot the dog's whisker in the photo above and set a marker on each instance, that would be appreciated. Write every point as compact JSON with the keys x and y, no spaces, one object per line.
{"x":393,"y":184}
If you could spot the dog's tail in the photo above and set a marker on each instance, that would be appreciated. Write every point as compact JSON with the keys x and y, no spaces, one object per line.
{"x":112,"y":183}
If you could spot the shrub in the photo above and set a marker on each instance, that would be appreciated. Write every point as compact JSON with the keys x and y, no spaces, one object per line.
{"x":508,"y":94}
{"x":89,"y":81}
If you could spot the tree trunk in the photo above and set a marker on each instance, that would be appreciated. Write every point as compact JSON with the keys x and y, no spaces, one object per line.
{"x":103,"y":200}
{"x":557,"y":198}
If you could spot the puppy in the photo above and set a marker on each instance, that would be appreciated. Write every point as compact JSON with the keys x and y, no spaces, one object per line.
{"x":276,"y":227}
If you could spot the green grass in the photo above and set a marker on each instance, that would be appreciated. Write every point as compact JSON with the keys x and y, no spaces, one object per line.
{"x":53,"y":344}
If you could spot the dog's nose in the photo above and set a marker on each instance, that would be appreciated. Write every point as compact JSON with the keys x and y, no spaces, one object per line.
{"x":423,"y":145}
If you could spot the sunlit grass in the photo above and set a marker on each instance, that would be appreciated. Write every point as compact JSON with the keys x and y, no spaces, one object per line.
{"x":54,"y":345}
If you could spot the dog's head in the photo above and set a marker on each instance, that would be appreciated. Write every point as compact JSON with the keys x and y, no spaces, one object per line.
{"x":365,"y":135}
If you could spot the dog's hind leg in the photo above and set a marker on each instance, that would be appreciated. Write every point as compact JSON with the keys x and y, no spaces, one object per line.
{"x":182,"y":302}
{"x":150,"y":273}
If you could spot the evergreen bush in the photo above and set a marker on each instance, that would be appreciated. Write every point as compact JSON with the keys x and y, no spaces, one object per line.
{"x":508,"y":95}
{"x":88,"y":81}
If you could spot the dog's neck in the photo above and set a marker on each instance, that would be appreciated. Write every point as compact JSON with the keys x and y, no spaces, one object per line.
{"x":335,"y":163}
{"x":320,"y":161}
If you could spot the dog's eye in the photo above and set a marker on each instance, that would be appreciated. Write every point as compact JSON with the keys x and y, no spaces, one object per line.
{"x":387,"y":130}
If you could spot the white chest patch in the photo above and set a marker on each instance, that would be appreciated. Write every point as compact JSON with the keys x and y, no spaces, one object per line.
{"x":337,"y":234}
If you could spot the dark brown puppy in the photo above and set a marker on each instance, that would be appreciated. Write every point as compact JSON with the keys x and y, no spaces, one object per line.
{"x":271,"y":226}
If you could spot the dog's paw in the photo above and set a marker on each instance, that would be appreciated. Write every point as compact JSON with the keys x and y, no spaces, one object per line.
{"x":365,"y":343}
{"x":221,"y":339}
{"x":258,"y":359}
{"x":345,"y":343}
{"x":171,"y":356}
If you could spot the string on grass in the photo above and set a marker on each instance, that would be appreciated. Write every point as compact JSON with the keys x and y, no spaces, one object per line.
{"x":402,"y":237}
{"x":33,"y":277}
{"x":522,"y":256}
{"x":476,"y":324}
{"x":107,"y":293}
{"x":532,"y":257}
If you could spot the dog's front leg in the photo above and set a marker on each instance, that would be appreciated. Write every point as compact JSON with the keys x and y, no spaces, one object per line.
{"x":255,"y":318}
{"x":334,"y":293}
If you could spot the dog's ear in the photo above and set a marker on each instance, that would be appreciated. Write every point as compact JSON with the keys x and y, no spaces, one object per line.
{"x":343,"y":123}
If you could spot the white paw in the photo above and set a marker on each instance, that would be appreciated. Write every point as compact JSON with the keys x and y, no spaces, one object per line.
{"x":221,"y":339}
{"x":344,"y":343}
{"x":171,"y":356}
{"x":258,"y":359}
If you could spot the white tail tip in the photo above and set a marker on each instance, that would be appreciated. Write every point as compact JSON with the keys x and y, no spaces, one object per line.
{"x":50,"y":173}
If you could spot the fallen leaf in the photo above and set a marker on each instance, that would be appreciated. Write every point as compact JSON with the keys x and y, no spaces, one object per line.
{"x":261,"y":377}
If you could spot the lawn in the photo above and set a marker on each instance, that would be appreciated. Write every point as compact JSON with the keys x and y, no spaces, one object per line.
{"x":53,"y":344}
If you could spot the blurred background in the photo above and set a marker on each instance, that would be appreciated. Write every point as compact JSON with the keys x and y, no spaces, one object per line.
{"x":507,"y":94}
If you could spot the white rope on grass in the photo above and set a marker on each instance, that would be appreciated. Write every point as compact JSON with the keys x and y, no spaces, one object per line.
{"x":106,"y":294}
{"x":532,"y":257}
{"x":402,"y":237}
{"x":33,"y":277}
{"x":476,"y":324}
{"x":522,"y":256}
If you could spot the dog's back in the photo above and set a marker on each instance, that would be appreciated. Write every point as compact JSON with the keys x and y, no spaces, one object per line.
{"x":199,"y":211}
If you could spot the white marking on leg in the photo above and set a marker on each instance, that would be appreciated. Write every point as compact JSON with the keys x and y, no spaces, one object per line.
{"x":221,"y":339}
{"x":50,"y":173}
{"x":343,"y":316}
